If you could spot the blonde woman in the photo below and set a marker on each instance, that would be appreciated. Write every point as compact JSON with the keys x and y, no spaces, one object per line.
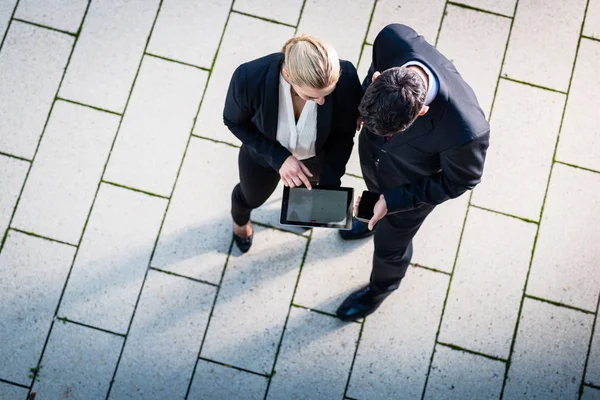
{"x":295,"y":113}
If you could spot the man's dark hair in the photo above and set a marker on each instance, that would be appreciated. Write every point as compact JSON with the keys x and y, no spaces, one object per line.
{"x":393,"y":101}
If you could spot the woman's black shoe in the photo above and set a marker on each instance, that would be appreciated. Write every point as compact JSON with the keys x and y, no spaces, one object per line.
{"x":243,"y":244}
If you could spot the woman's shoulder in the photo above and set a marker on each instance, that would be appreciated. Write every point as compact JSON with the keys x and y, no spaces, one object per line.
{"x":262,"y":64}
{"x":348,"y":70}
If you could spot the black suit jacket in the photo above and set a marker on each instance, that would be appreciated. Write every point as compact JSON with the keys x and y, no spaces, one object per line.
{"x":442,"y":154}
{"x":251,"y":110}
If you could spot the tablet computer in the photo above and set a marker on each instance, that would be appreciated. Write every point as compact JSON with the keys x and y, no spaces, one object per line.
{"x":323,"y":207}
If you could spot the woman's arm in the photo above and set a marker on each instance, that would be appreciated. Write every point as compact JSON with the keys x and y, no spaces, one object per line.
{"x":338,"y":147}
{"x":237,"y":116}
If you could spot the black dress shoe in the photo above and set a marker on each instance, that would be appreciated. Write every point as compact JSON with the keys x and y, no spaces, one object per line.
{"x":243,"y":244}
{"x":361,"y":303}
{"x":359,"y":230}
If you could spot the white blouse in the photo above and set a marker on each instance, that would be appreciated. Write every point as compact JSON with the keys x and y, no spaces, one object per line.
{"x":298,"y":137}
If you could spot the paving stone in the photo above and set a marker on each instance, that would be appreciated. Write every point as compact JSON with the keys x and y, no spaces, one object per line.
{"x":236,"y":48}
{"x":32,"y":277}
{"x":436,"y":243}
{"x":578,"y":143}
{"x":32,"y":62}
{"x":592,"y":20}
{"x":504,"y":7}
{"x":530,"y":117}
{"x":590,"y":393}
{"x":344,"y":265}
{"x":593,"y":366}
{"x":398,"y":339}
{"x":12,"y":178}
{"x":549,"y":354}
{"x":58,"y":14}
{"x":460,"y":375}
{"x":165,"y":336}
{"x":551,"y":35}
{"x":108,"y":52}
{"x":189,"y":31}
{"x":112,"y":259}
{"x":7,"y":8}
{"x":78,"y":363}
{"x":196,"y":235}
{"x":345,"y":32}
{"x":485,"y":295}
{"x":68,"y":167}
{"x":214,"y":381}
{"x":475,"y":43}
{"x":423,"y":16}
{"x":12,"y":392}
{"x":286,"y":11}
{"x":156,"y":127}
{"x":253,"y":302}
{"x":564,"y":267}
{"x":315,"y":357}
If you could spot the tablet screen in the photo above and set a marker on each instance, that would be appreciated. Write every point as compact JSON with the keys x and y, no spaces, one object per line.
{"x":320,"y":207}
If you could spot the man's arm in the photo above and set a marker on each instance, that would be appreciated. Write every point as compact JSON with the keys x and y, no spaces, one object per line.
{"x":461,"y":170}
{"x":237,"y":116}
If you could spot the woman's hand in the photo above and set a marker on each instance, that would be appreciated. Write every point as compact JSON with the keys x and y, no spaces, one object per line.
{"x":293,"y":173}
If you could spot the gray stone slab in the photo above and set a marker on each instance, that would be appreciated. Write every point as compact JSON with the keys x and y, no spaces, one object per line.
{"x":423,"y":16}
{"x":236,"y":48}
{"x":566,"y":259}
{"x":165,"y":336}
{"x":108,"y":53}
{"x":196,"y":235}
{"x":156,"y":127}
{"x":592,"y":20}
{"x":215,"y":381}
{"x":60,"y":14}
{"x":579,"y":144}
{"x":551,"y":35}
{"x":286,"y":11}
{"x":12,"y":177}
{"x":7,"y":7}
{"x":398,"y":339}
{"x":32,"y":277}
{"x":549,"y":353}
{"x":78,"y":363}
{"x":12,"y":392}
{"x":590,"y":393}
{"x":436,"y":243}
{"x":504,"y":7}
{"x":32,"y":63}
{"x":593,"y":366}
{"x":68,"y":167}
{"x":253,"y":302}
{"x":475,"y":43}
{"x":315,"y":357}
{"x":489,"y":277}
{"x":112,"y":258}
{"x":530,"y":117}
{"x":460,"y":375}
{"x":189,"y":30}
{"x":345,"y":32}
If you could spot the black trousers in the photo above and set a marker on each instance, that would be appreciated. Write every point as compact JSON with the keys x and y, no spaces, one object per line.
{"x":393,"y":246}
{"x":257,"y":182}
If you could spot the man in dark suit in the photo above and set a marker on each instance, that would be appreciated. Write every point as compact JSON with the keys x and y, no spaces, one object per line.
{"x":424,"y":141}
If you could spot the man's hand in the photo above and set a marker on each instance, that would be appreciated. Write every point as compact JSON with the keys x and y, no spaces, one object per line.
{"x":359,"y":124}
{"x":293,"y":173}
{"x":379,"y":210}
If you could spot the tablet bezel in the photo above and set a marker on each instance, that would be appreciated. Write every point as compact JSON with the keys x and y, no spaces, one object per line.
{"x":349,"y":206}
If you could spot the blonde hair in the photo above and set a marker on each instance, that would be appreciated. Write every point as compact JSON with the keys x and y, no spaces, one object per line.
{"x":310,"y":62}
